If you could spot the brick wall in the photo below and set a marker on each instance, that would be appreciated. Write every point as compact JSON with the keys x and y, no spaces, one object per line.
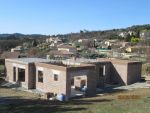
{"x":49,"y":84}
{"x":9,"y":73}
{"x":119,"y":74}
{"x":134,"y":72}
{"x":103,"y":79}
{"x":126,"y":73}
{"x":31,"y":76}
{"x":90,"y":76}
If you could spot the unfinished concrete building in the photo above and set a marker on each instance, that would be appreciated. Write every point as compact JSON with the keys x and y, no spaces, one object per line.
{"x":114,"y":71}
{"x":59,"y":78}
{"x":67,"y":77}
{"x":22,"y":71}
{"x":121,"y":72}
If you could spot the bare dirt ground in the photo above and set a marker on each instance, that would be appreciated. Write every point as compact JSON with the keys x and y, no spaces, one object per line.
{"x":113,"y":101}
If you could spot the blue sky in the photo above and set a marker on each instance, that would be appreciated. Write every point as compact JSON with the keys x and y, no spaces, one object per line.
{"x":65,"y":16}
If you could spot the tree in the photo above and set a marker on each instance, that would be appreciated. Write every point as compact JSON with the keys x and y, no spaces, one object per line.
{"x":34,"y":43}
{"x":128,"y":38}
{"x":33,"y":52}
{"x":81,"y":32}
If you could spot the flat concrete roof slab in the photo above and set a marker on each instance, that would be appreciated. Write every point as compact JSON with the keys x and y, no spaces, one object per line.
{"x":28,"y":60}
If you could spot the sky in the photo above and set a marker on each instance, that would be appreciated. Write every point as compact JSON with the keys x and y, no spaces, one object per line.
{"x":65,"y":16}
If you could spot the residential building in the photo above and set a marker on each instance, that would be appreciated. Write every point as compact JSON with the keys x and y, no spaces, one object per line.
{"x":137,"y":49}
{"x":17,"y":49}
{"x":145,"y":35}
{"x":65,"y":47}
{"x":22,"y":71}
{"x":69,"y":76}
{"x":83,"y":40}
{"x":46,"y":76}
{"x":54,"y":40}
{"x":60,"y":54}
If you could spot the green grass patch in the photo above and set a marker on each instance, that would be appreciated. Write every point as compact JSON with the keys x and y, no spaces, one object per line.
{"x":1,"y":70}
{"x":1,"y":67}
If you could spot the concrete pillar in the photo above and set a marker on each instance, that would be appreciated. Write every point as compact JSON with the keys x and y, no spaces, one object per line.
{"x":17,"y":74}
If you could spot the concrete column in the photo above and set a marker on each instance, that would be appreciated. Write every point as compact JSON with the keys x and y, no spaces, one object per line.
{"x":17,"y":74}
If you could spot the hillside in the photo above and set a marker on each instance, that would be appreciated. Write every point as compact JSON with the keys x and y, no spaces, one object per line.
{"x":8,"y":41}
{"x":103,"y":34}
{"x":106,"y":34}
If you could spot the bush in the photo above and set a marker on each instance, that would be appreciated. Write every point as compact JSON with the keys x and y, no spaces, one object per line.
{"x":148,"y":70}
{"x":135,"y":40}
{"x":1,"y":70}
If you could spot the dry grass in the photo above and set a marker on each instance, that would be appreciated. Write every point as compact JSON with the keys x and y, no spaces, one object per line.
{"x":7,"y":92}
{"x":109,"y":103}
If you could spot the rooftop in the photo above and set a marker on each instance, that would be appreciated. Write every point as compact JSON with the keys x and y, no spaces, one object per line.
{"x":70,"y":62}
{"x":63,"y":66}
{"x":118,"y":61}
{"x":65,"y":46}
{"x":61,"y":52}
{"x":28,"y":60}
{"x":84,"y":60}
{"x":98,"y":60}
